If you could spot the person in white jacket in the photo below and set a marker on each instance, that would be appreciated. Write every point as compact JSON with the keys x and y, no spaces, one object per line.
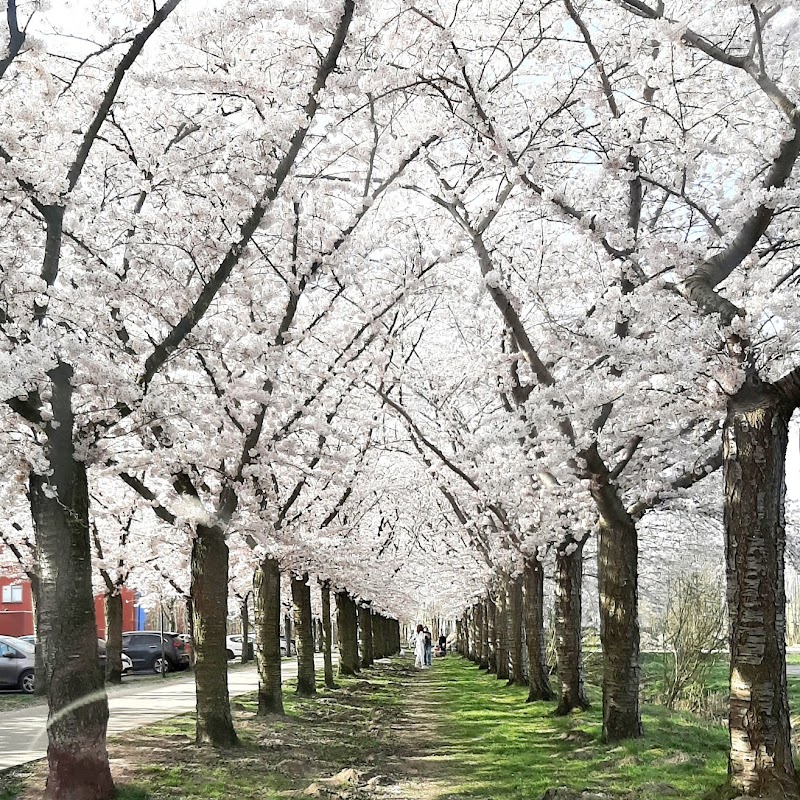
{"x":419,"y":648}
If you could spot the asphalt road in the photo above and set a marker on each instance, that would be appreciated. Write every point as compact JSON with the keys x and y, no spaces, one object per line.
{"x":23,"y":734}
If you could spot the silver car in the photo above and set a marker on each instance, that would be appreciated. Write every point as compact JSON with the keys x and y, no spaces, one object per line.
{"x":16,"y":664}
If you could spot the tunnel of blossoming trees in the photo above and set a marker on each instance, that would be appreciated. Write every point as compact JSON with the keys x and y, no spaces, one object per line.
{"x":388,"y":311}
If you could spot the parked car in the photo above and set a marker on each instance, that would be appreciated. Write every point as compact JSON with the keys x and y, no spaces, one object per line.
{"x":127,"y":664}
{"x":16,"y":664}
{"x":187,"y":642}
{"x":234,"y":645}
{"x":144,"y":648}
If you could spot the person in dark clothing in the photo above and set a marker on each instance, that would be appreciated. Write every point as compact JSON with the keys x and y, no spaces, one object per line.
{"x":428,"y":646}
{"x":443,"y":644}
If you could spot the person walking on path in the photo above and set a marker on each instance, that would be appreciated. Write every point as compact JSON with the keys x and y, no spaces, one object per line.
{"x":419,"y":648}
{"x":428,"y":646}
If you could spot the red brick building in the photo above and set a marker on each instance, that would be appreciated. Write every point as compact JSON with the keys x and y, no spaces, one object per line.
{"x":16,"y":609}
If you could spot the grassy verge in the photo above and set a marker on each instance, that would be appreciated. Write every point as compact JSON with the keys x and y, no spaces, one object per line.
{"x":507,"y":749}
{"x":326,"y":744}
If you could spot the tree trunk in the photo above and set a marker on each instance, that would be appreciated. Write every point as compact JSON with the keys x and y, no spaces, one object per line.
{"x":538,"y":672}
{"x":473,"y":634}
{"x":327,"y":647}
{"x":483,"y":633}
{"x":267,"y":604}
{"x":301,"y":600}
{"x":569,"y":580}
{"x":617,"y":579}
{"x":40,"y":674}
{"x":114,"y":635}
{"x":190,"y":626}
{"x":378,"y":637}
{"x":460,"y":636}
{"x":517,"y":667}
{"x":348,"y":634}
{"x":755,"y":440}
{"x":288,"y":633}
{"x":78,"y":767}
{"x":365,"y":623}
{"x":244,"y":611}
{"x":491,"y":633}
{"x":209,"y":590}
{"x":502,"y":635}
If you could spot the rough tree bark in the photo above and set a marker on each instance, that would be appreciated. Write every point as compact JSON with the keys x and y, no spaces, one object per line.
{"x":113,"y":635}
{"x":304,"y":635}
{"x":327,"y":645}
{"x":40,"y":675}
{"x":618,"y":589}
{"x":244,"y":612}
{"x":617,"y":578}
{"x":491,"y":633}
{"x":517,"y":675}
{"x":77,"y":757}
{"x":378,"y":637}
{"x":502,"y":634}
{"x":538,"y":672}
{"x":267,"y":606}
{"x":209,"y":590}
{"x":754,"y":451}
{"x":569,"y":581}
{"x":348,"y":634}
{"x":473,"y":634}
{"x":367,"y":645}
{"x":288,"y":633}
{"x":483,"y":645}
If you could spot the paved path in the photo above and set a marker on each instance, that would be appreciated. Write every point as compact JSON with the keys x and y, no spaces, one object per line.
{"x":23,"y":734}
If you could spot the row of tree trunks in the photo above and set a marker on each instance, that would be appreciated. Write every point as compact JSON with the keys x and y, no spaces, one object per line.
{"x":303,"y":625}
{"x":507,"y":615}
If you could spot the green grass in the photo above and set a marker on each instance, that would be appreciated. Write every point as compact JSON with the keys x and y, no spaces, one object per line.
{"x":13,"y":702}
{"x":500,"y":747}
